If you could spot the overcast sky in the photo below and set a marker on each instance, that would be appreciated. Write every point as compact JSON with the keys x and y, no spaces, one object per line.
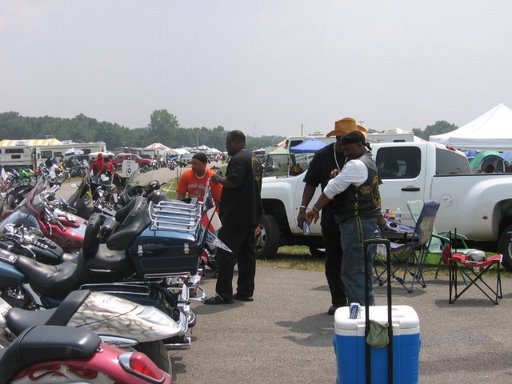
{"x":262,"y":66}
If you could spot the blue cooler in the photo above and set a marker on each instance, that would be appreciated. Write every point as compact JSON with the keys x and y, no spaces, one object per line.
{"x":349,"y":345}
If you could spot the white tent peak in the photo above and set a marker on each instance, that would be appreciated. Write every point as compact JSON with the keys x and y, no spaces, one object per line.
{"x":395,"y":131}
{"x":157,"y":146}
{"x":492,"y":130}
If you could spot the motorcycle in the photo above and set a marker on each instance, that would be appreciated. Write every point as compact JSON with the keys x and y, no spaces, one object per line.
{"x":123,"y":323}
{"x":103,"y":194}
{"x":149,"y":261}
{"x":73,"y":355}
{"x":36,"y":211}
{"x":77,"y":169}
{"x":68,"y":354}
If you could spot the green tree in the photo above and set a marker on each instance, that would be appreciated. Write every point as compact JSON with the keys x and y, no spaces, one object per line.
{"x":163,"y":126}
{"x":436,"y":129}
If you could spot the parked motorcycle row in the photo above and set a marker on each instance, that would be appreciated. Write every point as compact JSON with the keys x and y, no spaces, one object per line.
{"x":103,"y":280}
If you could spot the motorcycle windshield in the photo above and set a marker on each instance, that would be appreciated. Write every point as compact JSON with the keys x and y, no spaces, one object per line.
{"x":34,"y":200}
{"x":29,"y":209}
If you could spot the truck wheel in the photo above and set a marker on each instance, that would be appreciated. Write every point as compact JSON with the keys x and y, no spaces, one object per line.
{"x":267,"y":237}
{"x":157,"y":352}
{"x":505,"y":247}
{"x":317,"y":252}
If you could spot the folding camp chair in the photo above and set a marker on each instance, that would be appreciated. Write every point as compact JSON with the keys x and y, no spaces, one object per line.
{"x":438,"y":241}
{"x":472,"y":268}
{"x":409,"y":257}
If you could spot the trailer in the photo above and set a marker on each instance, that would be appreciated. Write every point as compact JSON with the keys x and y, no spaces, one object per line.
{"x":30,"y":153}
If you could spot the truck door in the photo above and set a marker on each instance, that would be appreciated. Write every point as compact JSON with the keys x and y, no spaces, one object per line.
{"x":402,"y":170}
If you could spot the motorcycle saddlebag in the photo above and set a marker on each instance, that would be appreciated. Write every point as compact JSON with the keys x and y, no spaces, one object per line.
{"x":160,"y":253}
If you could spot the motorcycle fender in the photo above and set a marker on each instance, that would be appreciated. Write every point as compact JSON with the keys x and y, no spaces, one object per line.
{"x":111,"y":315}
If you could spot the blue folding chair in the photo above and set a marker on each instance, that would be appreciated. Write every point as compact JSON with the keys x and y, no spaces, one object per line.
{"x":408,"y":257}
{"x":439,"y":240}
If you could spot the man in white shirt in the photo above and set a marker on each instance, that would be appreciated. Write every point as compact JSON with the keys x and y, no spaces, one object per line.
{"x":357,"y":205}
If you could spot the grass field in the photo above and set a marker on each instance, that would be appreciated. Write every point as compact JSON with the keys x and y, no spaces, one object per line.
{"x":299,"y":257}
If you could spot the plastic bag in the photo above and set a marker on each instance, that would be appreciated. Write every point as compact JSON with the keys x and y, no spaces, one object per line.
{"x":378,"y":335}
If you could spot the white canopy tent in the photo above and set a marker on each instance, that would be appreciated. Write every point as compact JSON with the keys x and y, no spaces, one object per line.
{"x":157,"y":146}
{"x":492,"y":130}
{"x":178,"y":151}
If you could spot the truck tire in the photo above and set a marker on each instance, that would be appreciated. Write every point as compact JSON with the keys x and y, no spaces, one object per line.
{"x":316,"y":252}
{"x":268,"y":236}
{"x":157,"y":352}
{"x":505,"y":247}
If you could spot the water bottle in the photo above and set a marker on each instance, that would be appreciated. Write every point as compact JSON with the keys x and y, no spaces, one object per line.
{"x":398,"y":215}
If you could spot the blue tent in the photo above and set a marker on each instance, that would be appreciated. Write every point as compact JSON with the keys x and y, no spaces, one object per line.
{"x":308,"y":146}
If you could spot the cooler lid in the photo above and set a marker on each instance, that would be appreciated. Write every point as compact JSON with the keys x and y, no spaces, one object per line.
{"x":403,"y":317}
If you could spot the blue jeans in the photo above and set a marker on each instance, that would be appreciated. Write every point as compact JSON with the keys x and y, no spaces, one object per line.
{"x":354,"y":231}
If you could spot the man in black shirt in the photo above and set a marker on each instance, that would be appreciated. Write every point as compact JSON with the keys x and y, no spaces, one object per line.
{"x":327,"y":163}
{"x":240,"y":212}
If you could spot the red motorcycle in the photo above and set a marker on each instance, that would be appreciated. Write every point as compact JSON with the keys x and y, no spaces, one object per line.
{"x":66,"y":354}
{"x":38,"y":211}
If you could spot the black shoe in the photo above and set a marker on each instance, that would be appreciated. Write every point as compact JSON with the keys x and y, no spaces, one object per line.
{"x":214,"y":300}
{"x":332,"y":309}
{"x":236,"y":296}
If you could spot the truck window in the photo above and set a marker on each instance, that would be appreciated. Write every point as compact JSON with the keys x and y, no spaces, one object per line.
{"x":451,"y":163}
{"x":398,"y":162}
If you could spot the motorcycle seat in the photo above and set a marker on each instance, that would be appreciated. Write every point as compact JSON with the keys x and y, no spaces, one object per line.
{"x":46,"y":343}
{"x":134,"y":223}
{"x":18,"y":319}
{"x":52,"y":280}
{"x":91,"y":236}
{"x":109,"y":260}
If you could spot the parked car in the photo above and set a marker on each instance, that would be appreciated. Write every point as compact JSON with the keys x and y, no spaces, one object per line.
{"x":144,"y":164}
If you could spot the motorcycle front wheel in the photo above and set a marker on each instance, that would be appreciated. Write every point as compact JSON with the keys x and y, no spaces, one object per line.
{"x":157,"y":352}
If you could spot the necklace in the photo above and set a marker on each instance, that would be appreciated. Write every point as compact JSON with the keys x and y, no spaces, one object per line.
{"x":200,"y":177}
{"x":335,"y":157}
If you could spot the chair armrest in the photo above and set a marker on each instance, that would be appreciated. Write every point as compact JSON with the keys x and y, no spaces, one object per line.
{"x":459,"y":236}
{"x":444,"y":239}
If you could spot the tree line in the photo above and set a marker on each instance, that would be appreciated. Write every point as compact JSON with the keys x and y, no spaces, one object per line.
{"x":163,"y":128}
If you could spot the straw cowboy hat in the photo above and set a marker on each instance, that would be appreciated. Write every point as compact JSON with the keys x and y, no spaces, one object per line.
{"x":346,"y":125}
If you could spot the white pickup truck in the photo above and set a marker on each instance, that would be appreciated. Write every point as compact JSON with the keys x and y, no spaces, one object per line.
{"x":477,"y":205}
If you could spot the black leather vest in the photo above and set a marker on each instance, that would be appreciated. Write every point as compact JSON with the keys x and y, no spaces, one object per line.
{"x":363,"y":201}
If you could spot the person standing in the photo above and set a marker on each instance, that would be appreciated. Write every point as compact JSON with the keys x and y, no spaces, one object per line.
{"x":193,"y":181}
{"x":98,"y":165}
{"x":357,"y":207}
{"x":326,"y":163}
{"x":240,"y":213}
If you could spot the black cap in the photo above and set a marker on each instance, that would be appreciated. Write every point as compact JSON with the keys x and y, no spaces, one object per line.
{"x":353,"y":137}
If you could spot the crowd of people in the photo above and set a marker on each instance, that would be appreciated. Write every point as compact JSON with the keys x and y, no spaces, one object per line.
{"x":350,"y":205}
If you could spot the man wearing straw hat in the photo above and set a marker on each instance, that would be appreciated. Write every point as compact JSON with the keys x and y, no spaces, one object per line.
{"x":355,"y":197}
{"x":326,"y":164}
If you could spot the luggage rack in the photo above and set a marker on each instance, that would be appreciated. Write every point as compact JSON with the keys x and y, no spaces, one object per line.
{"x":175,"y":215}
